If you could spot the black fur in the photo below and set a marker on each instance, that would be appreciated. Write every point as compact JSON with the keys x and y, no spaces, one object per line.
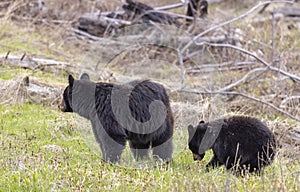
{"x":243,"y":143}
{"x":94,"y":102}
{"x":197,"y":8}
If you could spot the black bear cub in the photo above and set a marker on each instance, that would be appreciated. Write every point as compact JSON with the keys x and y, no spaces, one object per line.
{"x":240,"y":143}
{"x":138,"y":112}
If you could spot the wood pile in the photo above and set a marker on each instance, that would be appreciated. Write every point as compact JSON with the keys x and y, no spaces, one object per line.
{"x":133,"y":13}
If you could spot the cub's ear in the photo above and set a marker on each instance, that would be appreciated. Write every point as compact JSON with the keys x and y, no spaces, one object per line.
{"x":201,"y":122}
{"x":71,"y":80}
{"x":85,"y":76}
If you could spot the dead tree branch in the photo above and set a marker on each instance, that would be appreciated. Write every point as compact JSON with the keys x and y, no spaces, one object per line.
{"x":242,"y":80}
{"x":271,"y":68}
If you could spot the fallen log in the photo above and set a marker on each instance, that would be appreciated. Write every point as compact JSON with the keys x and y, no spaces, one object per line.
{"x":27,"y":62}
{"x":133,"y":12}
{"x":141,"y":12}
{"x":288,"y":11}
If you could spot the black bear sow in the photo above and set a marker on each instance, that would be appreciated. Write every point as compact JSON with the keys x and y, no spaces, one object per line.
{"x":240,"y":143}
{"x":138,"y":111}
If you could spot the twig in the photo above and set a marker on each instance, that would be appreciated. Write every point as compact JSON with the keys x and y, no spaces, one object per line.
{"x":87,"y":35}
{"x":166,"y":7}
{"x":224,"y":64}
{"x":7,"y":54}
{"x":231,"y":21}
{"x":263,"y":8}
{"x":213,"y":70}
{"x":212,"y":39}
{"x":176,"y":15}
{"x":182,"y":68}
{"x":289,"y":98}
{"x":117,"y":21}
{"x":193,"y":91}
{"x":23,"y":56}
{"x":220,"y":67}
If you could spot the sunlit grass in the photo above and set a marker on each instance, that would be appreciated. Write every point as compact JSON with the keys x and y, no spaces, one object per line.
{"x":13,"y":73}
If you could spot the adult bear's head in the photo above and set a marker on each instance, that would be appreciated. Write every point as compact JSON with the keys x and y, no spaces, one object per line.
{"x":66,"y":102}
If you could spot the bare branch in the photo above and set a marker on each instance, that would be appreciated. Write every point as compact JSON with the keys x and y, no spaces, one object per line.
{"x":166,"y":7}
{"x":275,"y":69}
{"x":172,"y":6}
{"x":289,"y":98}
{"x":224,"y":64}
{"x":84,"y":34}
{"x":242,"y":80}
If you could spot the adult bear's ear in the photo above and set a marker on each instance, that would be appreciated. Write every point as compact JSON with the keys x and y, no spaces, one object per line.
{"x":71,"y":80}
{"x":85,"y":76}
{"x":191,"y":130}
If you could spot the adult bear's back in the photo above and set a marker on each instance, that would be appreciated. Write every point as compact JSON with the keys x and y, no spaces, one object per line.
{"x":141,"y":94}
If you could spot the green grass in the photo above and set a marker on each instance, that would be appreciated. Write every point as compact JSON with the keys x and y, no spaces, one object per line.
{"x":26,"y":38}
{"x":11,"y":73}
{"x":43,"y":149}
{"x":18,"y":39}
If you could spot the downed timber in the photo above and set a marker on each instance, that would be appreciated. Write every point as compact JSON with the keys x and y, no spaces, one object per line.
{"x":162,"y":8}
{"x":133,"y":12}
{"x":288,"y":11}
{"x":142,"y":12}
{"x":96,"y":24}
{"x":27,"y":62}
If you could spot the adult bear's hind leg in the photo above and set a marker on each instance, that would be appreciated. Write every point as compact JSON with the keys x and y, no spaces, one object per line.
{"x":139,"y":150}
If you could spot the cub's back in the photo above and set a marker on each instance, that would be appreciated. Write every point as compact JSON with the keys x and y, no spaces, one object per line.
{"x":247,"y":131}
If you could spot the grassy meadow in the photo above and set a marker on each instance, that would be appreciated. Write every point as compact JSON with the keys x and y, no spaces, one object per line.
{"x":43,"y":149}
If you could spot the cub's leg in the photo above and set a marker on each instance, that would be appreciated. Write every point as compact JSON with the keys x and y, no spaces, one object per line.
{"x":214,"y":162}
{"x":139,"y":150}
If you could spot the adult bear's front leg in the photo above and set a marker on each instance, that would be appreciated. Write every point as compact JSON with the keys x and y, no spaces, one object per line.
{"x":112,"y":150}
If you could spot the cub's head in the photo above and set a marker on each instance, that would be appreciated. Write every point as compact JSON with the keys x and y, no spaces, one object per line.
{"x":196,"y":135}
{"x":66,"y":102}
